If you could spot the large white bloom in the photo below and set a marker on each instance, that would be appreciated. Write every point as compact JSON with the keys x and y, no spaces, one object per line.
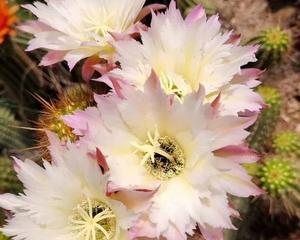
{"x":188,"y":52}
{"x":65,"y":200}
{"x":185,"y":152}
{"x":76,"y":29}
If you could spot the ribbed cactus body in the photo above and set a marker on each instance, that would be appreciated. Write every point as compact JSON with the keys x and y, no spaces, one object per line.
{"x":10,"y":136}
{"x":187,"y":5}
{"x":262,"y":131}
{"x":8,"y":178}
{"x":287,"y":143}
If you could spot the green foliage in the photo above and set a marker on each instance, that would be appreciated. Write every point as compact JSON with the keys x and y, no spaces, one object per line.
{"x":263,"y":130}
{"x":187,"y":5}
{"x":287,"y":143}
{"x":10,"y":135}
{"x":8,"y":179}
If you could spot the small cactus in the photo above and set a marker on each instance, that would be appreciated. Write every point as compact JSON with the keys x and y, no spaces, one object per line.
{"x":274,"y":43}
{"x":277,"y":176}
{"x":10,"y":136}
{"x":8,"y":178}
{"x":77,"y":97}
{"x":187,"y":5}
{"x":287,"y":143}
{"x":263,"y":130}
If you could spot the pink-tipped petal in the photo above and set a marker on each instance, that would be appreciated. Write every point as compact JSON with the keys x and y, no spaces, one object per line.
{"x":102,"y":161}
{"x":210,"y":233}
{"x":148,"y":9}
{"x":16,"y":166}
{"x":105,"y":67}
{"x":153,"y":81}
{"x":196,"y":14}
{"x":252,"y":73}
{"x":240,"y":154}
{"x":143,"y":228}
{"x":237,"y":184}
{"x":135,"y":199}
{"x":80,"y":120}
{"x":216,"y":103}
{"x":88,"y":67}
{"x":74,"y":56}
{"x":120,"y":36}
{"x":52,"y":57}
{"x":234,"y":39}
{"x":34,"y":27}
{"x":10,"y":202}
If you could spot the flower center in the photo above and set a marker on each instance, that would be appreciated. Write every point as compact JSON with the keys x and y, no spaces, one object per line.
{"x":99,"y":24}
{"x":93,"y":220}
{"x":162,"y":156}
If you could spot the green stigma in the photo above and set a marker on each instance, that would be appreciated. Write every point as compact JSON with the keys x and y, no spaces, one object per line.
{"x":287,"y":143}
{"x":93,"y":220}
{"x":277,"y":176}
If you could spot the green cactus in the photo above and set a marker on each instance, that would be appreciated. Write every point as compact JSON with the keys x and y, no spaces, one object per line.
{"x":287,"y":143}
{"x":187,"y":5}
{"x":8,"y":178}
{"x":77,"y":97}
{"x":274,"y":43}
{"x":263,"y":130}
{"x":10,"y":136}
{"x":277,"y":176}
{"x":3,"y":237}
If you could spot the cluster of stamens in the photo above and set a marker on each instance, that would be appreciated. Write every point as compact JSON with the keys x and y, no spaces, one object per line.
{"x":93,"y":220}
{"x":161,"y":156}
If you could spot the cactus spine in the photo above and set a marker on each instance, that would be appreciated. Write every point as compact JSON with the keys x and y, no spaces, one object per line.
{"x":287,"y":143}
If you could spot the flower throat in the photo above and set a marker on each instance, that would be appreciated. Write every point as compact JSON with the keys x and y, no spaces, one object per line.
{"x":162,"y":156}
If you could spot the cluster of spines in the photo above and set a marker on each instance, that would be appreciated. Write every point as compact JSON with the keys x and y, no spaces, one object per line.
{"x":77,"y":97}
{"x":277,"y":175}
{"x":287,"y":143}
{"x":262,"y":131}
